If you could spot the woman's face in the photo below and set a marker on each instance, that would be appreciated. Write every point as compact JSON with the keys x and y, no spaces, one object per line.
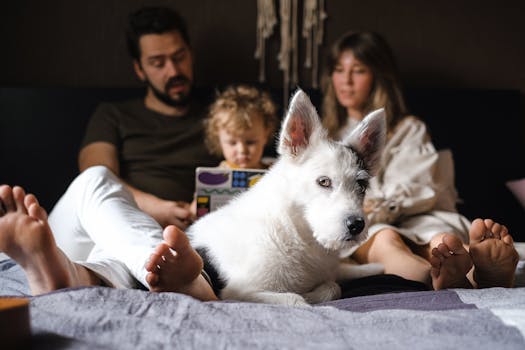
{"x":352,"y":81}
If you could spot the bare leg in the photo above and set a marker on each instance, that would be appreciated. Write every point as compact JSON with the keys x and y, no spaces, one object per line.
{"x":450,"y":263}
{"x":493,"y":253}
{"x":388,"y":248}
{"x":176,"y":267}
{"x":25,"y":236}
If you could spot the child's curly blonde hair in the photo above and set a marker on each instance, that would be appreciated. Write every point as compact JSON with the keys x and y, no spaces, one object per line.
{"x":234,"y":109}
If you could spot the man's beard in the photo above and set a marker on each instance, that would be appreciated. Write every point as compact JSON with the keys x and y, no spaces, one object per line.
{"x":182,"y":99}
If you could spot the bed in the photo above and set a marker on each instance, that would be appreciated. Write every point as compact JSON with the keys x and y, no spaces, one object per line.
{"x":100,"y":317}
{"x":375,"y":314}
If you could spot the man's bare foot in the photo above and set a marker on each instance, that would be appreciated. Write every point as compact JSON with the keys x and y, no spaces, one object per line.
{"x":450,"y":264}
{"x":25,"y":236}
{"x":175,"y":266}
{"x":493,"y":253}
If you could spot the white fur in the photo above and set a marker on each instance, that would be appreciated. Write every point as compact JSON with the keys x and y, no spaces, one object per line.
{"x":281,"y":241}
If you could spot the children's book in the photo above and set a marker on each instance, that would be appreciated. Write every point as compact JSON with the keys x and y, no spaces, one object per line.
{"x":217,"y":186}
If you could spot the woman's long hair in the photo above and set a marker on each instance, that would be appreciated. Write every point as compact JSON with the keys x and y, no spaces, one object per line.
{"x":372,"y":50}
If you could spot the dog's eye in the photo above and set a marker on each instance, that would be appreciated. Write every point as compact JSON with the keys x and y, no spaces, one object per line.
{"x":324,"y":181}
{"x":363,"y":185}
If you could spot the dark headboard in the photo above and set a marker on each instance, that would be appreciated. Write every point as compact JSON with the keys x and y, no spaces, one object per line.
{"x":41,"y":130}
{"x":485,"y":131}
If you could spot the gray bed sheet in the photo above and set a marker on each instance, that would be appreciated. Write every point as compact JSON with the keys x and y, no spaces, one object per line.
{"x":99,"y":317}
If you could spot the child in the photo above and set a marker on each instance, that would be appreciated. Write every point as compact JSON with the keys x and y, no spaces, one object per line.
{"x":240,"y":123}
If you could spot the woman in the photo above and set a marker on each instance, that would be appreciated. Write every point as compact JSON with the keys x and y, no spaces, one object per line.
{"x":415,"y":231}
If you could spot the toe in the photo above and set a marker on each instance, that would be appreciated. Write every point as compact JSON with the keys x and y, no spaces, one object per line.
{"x":176,"y":239}
{"x":444,"y":250}
{"x":6,"y":197}
{"x":504,"y":231}
{"x":30,"y":199}
{"x":496,"y":230}
{"x":489,"y":223}
{"x":152,"y":279}
{"x":454,"y":244}
{"x":36,"y":211}
{"x":435,"y":272}
{"x":437,"y":254}
{"x":18,"y":197}
{"x":507,"y":239}
{"x":152,"y":265}
{"x":435,"y":262}
{"x":477,"y":231}
{"x":505,"y":236}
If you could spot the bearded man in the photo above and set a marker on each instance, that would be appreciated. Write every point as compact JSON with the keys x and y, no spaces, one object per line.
{"x":153,"y":144}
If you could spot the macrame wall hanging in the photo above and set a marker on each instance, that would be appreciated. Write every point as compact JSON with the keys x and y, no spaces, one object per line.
{"x":314,"y":16}
{"x":266,"y":20}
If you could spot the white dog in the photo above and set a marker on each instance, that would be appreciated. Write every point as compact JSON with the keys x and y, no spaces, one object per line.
{"x":281,"y":241}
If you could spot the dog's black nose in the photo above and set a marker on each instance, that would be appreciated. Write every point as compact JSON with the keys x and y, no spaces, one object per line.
{"x":355,"y":225}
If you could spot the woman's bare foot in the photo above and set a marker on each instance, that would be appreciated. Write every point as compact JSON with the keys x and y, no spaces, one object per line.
{"x":175,"y":266}
{"x":450,"y":264}
{"x":26,"y":237}
{"x":493,"y":253}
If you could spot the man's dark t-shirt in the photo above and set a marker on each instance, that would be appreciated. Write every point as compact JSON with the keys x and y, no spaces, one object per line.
{"x":158,"y":154}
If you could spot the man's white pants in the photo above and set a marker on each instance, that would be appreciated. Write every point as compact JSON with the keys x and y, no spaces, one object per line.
{"x":97,"y":224}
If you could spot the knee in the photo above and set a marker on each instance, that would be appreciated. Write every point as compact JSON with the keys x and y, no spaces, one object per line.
{"x":96,"y":171}
{"x":388,"y":237}
{"x":378,"y":246}
{"x":386,"y":240}
{"x":95,"y":177}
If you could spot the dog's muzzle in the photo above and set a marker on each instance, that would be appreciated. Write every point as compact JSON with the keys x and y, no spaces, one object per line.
{"x":355,"y":225}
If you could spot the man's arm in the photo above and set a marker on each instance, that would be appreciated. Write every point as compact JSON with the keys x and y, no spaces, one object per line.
{"x":163,"y":211}
{"x":99,"y":153}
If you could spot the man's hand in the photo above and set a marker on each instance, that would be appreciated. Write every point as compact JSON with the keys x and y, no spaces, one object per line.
{"x":172,"y":213}
{"x":167,"y":212}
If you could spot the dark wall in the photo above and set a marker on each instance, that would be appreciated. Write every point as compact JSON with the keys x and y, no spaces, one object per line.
{"x":460,"y":44}
{"x":452,"y":45}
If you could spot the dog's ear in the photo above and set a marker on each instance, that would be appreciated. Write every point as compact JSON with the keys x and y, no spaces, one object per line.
{"x":300,"y":127}
{"x":368,"y":139}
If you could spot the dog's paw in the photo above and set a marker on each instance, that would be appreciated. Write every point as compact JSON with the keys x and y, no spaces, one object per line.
{"x":352,"y":271}
{"x":325,"y":292}
{"x":374,"y":268}
{"x":289,"y":299}
{"x":297,"y":301}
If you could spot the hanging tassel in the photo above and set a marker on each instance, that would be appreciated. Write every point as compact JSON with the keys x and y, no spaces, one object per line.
{"x":309,"y":23}
{"x":266,"y":20}
{"x":294,"y":47}
{"x":284,"y":53}
{"x":314,"y":16}
{"x":319,"y":35}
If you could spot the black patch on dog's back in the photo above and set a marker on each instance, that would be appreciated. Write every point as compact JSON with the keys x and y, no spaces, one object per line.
{"x":216,"y":281}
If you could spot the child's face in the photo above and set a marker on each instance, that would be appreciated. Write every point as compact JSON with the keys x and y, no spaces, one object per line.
{"x":244,"y":149}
